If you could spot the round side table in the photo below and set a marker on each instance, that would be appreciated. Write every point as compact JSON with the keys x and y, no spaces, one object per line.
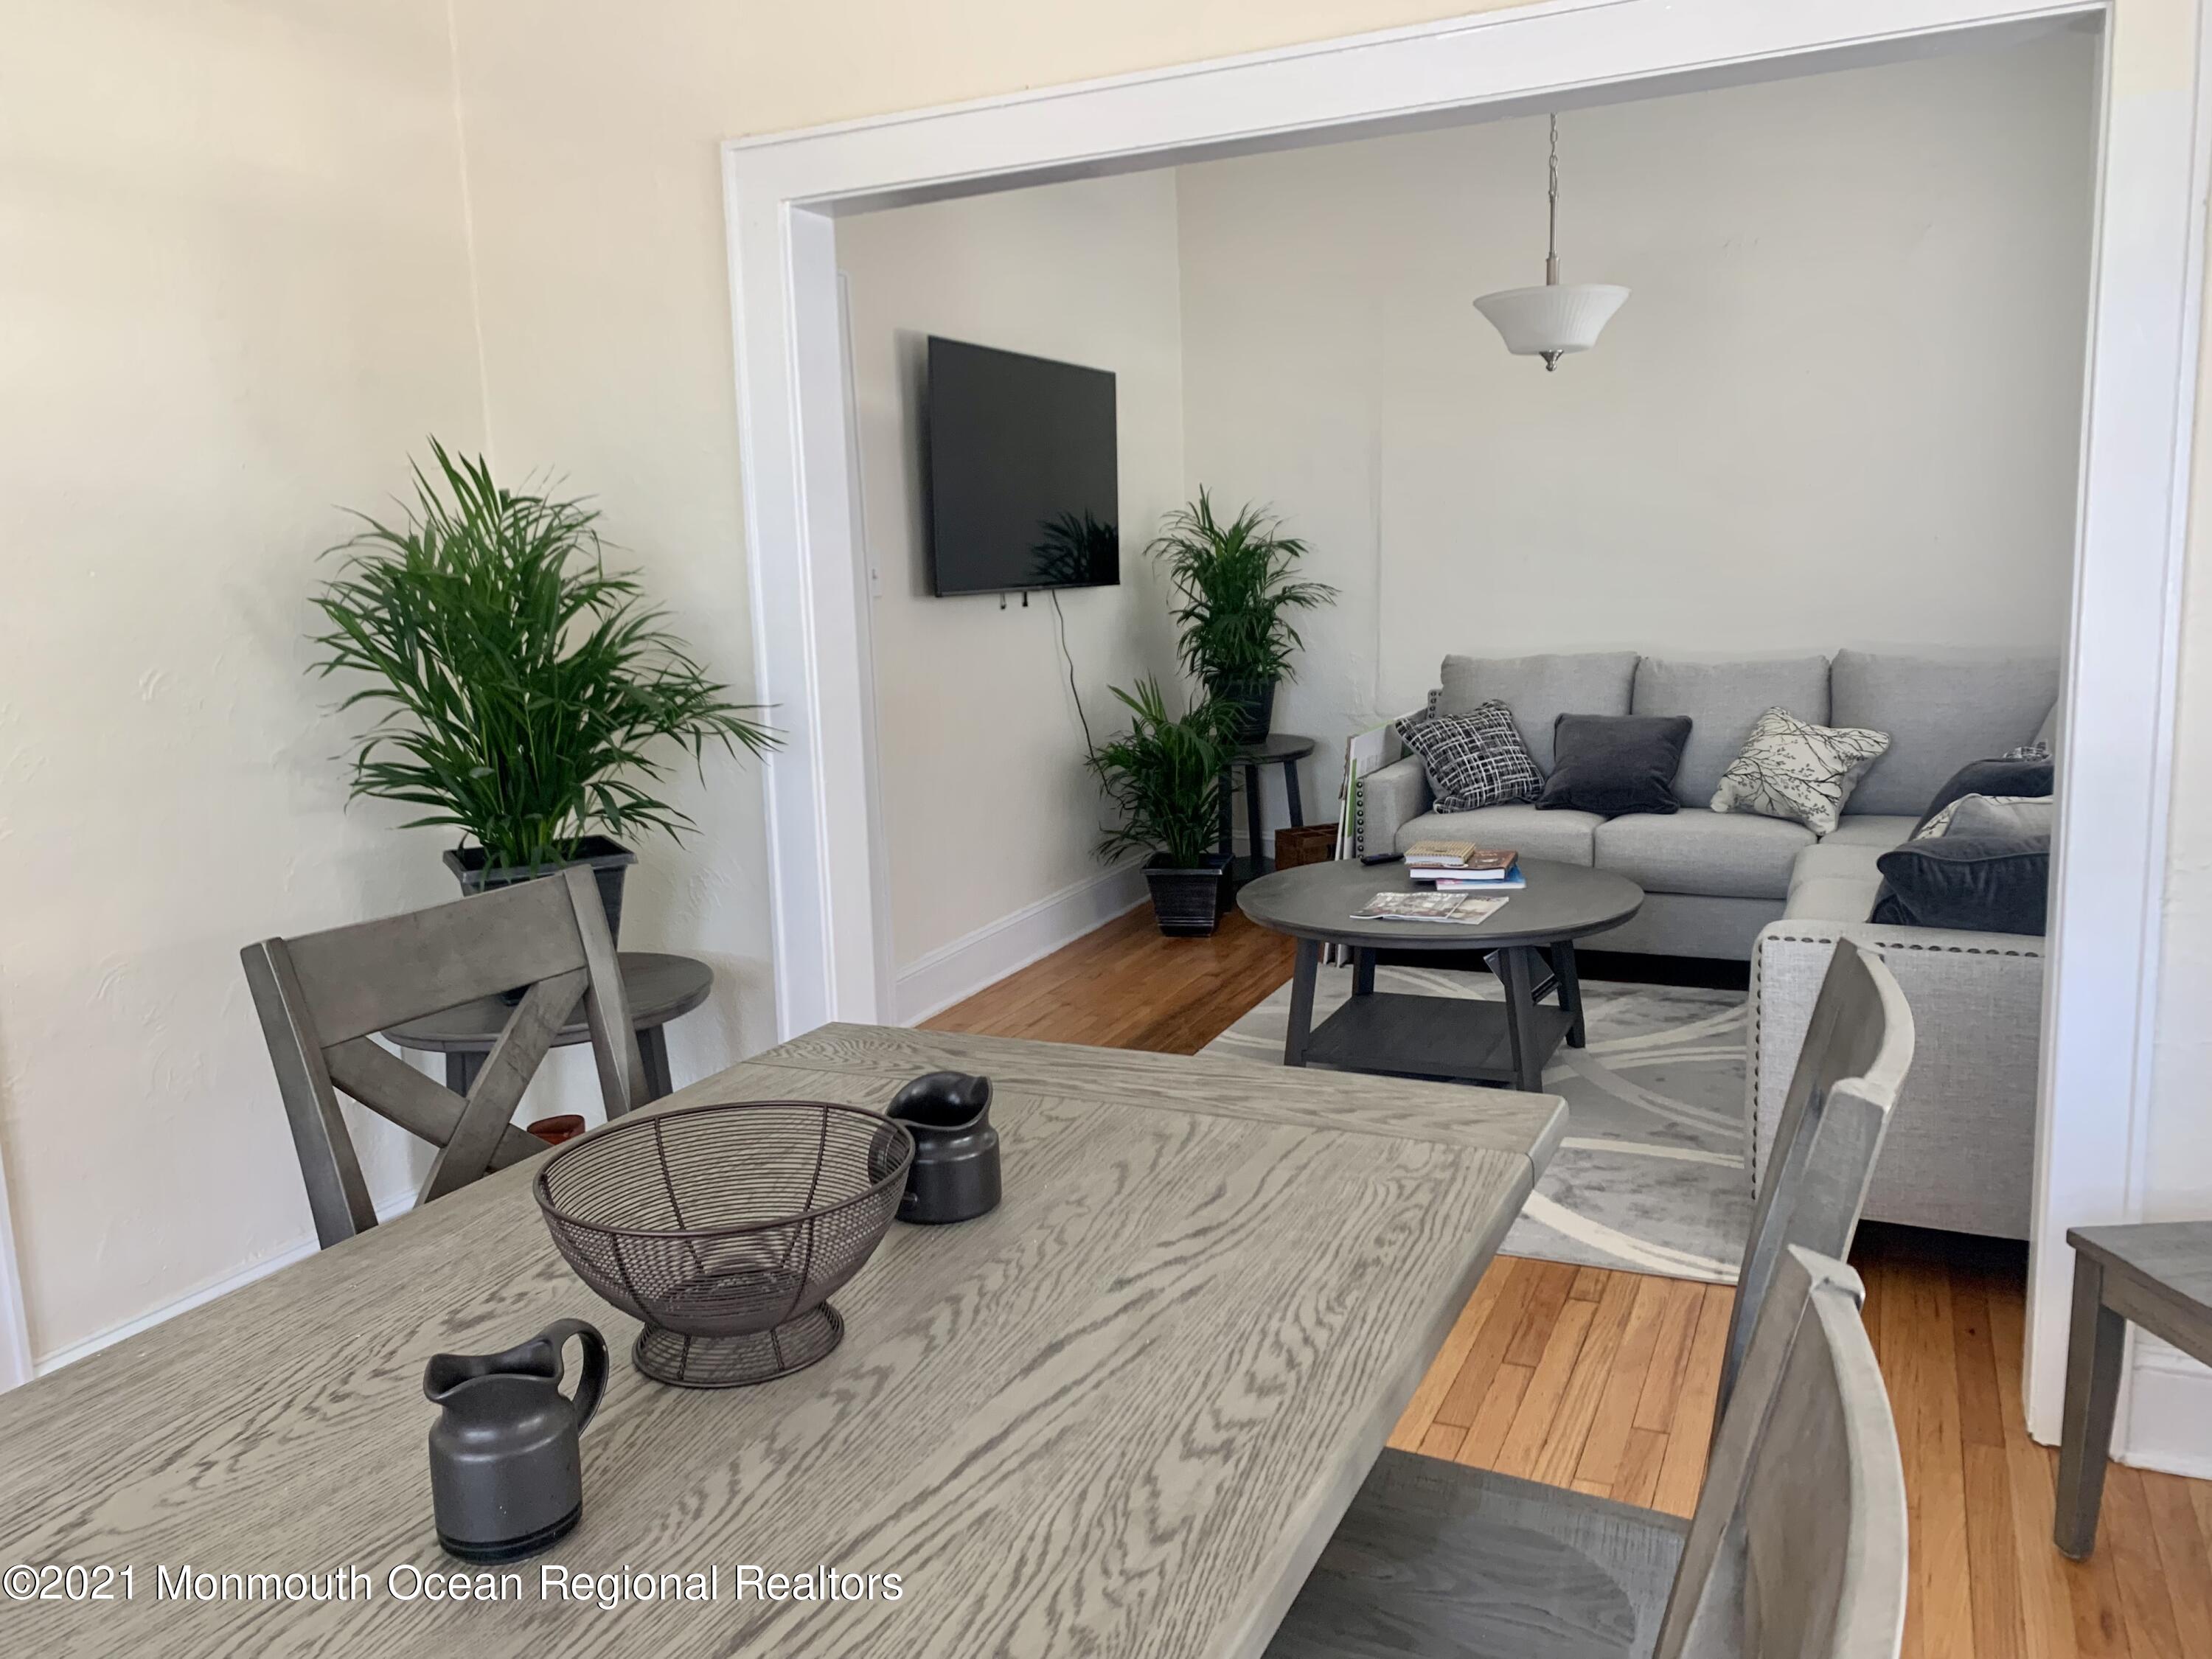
{"x":1283,"y":748}
{"x":660,"y":988}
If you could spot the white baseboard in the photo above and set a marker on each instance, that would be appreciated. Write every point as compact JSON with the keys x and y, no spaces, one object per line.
{"x":953,"y":972}
{"x":2169,"y":1421}
{"x":397,"y":1204}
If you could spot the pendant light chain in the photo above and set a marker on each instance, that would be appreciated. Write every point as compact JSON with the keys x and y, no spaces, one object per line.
{"x":1551,"y":234}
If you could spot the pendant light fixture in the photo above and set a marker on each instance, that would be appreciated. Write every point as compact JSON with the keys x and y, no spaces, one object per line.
{"x":1550,"y":321}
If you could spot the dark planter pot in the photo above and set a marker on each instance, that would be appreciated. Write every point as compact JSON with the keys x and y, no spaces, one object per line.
{"x":1254,"y":702}
{"x":609,"y":860}
{"x":1186,"y":902}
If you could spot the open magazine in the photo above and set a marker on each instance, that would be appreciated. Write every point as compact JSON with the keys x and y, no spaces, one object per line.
{"x":1465,"y":909}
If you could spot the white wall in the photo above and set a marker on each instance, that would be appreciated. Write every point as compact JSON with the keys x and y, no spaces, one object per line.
{"x":1841,"y":406}
{"x":989,"y":809}
{"x":234,"y":295}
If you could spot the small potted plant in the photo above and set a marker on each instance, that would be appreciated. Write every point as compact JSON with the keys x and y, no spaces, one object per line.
{"x":1235,"y":590}
{"x":1164,"y":775}
{"x":529,"y":697}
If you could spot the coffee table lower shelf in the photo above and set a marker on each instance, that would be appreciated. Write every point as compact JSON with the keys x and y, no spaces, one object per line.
{"x":1412,"y":1036}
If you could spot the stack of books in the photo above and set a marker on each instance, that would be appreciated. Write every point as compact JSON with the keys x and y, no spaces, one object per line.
{"x":1461,"y":866}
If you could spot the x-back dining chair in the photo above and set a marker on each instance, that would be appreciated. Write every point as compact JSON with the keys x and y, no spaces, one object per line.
{"x":322,"y":995}
{"x":1586,"y":1577}
{"x":1797,"y":1549}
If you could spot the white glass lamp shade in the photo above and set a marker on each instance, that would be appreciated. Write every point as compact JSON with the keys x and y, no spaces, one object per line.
{"x":1550,"y":321}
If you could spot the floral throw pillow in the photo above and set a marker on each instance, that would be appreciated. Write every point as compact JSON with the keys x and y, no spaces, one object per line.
{"x":1792,"y":769}
{"x":1473,"y":760}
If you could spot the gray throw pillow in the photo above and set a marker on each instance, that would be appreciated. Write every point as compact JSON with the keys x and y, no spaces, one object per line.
{"x":1792,"y":769}
{"x":2005,"y":779}
{"x":1473,"y":760}
{"x":1995,"y":815}
{"x":1615,"y":764}
{"x":1984,"y":883}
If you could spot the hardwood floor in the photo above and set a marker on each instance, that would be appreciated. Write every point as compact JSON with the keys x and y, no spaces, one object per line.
{"x":1604,"y":1380}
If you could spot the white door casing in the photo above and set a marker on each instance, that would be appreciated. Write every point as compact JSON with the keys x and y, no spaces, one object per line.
{"x":808,"y":587}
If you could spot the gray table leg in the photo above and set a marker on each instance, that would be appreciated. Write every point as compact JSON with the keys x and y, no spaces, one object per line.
{"x":1570,"y":989}
{"x":1252,"y":817}
{"x":2093,"y":1389}
{"x":461,"y":1069}
{"x":1290,"y":788}
{"x":1228,"y":849}
{"x":652,"y":1048}
{"x":1520,"y":1009}
{"x":1302,"y":996}
{"x":1363,"y":973}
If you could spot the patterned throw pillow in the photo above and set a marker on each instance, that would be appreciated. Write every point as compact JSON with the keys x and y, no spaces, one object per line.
{"x":1473,"y":760}
{"x":1792,"y":769}
{"x":2027,"y":751}
{"x":1939,"y":823}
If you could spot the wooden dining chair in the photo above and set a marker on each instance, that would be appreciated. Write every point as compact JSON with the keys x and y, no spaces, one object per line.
{"x":1858,"y":1047}
{"x":1616,"y":1558}
{"x":1796,"y":1550}
{"x":321,"y":996}
{"x":1798,"y":1547}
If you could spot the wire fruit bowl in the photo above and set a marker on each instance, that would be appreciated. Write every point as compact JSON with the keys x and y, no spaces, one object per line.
{"x":727,"y":1228}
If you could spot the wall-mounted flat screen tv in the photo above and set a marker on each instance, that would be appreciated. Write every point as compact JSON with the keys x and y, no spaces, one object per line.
{"x":1022,"y":472}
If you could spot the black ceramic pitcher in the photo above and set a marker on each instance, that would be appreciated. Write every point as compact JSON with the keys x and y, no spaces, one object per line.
{"x":955,"y":1173}
{"x":507,"y":1471}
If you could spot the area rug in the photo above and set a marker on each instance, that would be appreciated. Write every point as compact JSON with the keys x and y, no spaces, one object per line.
{"x":1650,"y":1177}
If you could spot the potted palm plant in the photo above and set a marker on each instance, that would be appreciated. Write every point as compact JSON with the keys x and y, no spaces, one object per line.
{"x":528,"y":696}
{"x":1234,"y":593}
{"x":1164,"y":775}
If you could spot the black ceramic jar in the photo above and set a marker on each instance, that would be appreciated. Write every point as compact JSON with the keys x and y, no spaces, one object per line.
{"x":955,"y":1175}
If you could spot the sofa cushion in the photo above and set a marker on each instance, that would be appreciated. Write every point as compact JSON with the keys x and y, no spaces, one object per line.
{"x":1722,"y":700}
{"x":1719,"y":854}
{"x":1830,"y":858}
{"x":1940,"y":712}
{"x":1615,"y":763}
{"x":1539,"y":689}
{"x":1881,"y":830}
{"x":1562,"y":836}
{"x":1837,"y":880}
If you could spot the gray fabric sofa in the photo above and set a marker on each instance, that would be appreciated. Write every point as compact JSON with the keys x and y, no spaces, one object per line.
{"x":1961,"y":1152}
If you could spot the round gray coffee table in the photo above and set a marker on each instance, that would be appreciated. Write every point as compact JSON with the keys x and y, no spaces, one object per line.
{"x":1532,"y":948}
{"x":660,"y":986}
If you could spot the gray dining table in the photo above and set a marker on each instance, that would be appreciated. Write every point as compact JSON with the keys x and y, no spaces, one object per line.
{"x":1120,"y":1415}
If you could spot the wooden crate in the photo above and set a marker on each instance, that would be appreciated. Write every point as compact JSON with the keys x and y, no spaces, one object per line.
{"x":1316,"y":843}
